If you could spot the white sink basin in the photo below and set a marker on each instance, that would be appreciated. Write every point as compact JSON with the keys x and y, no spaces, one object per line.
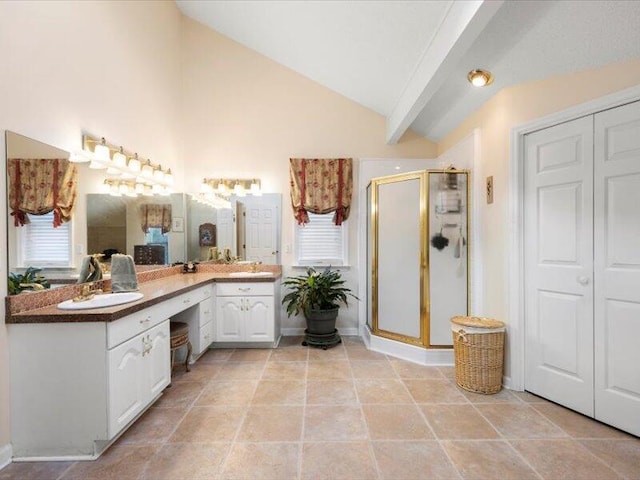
{"x":250,"y":274}
{"x":102,"y":301}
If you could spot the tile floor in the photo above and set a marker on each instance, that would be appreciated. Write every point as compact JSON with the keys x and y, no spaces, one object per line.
{"x":346,"y":413}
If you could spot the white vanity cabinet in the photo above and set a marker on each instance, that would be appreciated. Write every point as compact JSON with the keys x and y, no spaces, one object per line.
{"x":138,"y":372}
{"x":77,"y":385}
{"x":245,"y":312}
{"x":199,"y":316}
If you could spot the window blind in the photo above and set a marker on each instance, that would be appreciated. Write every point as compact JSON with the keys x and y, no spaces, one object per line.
{"x":43,"y":245}
{"x":321,"y":242}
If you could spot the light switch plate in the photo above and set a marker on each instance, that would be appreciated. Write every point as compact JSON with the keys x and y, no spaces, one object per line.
{"x":489,"y":189}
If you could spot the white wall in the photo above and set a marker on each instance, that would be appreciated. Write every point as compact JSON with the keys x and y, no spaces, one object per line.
{"x":107,"y":68}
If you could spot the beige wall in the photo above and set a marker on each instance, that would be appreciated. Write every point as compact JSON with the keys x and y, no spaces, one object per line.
{"x":245,"y":114}
{"x":108,"y":68}
{"x":141,"y":75}
{"x":495,"y":119}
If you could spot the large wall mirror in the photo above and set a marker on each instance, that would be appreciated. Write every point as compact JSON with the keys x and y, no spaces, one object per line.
{"x":249,"y":228}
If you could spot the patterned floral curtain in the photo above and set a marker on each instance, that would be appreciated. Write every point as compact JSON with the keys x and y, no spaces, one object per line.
{"x":321,"y":185}
{"x":153,"y":215}
{"x":39,"y":186}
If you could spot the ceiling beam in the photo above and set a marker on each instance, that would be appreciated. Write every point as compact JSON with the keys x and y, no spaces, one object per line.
{"x":460,"y":27}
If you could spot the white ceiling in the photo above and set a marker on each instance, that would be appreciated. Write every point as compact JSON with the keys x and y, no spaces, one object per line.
{"x":408,"y":60}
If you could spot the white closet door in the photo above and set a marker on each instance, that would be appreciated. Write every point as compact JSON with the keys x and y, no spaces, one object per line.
{"x":559,"y":264}
{"x":617,"y":267}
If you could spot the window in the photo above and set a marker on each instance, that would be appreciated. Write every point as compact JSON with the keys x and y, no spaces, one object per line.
{"x":41,"y":245}
{"x":321,"y":242}
{"x":156,"y":237}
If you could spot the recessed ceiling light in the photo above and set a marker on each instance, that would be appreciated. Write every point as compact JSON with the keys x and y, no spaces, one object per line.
{"x":479,"y":77}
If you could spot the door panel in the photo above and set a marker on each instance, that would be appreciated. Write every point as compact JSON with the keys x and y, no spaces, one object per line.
{"x":229,"y":315}
{"x":261,"y":235}
{"x":617,"y":266}
{"x":399,"y":257}
{"x":559,"y":264}
{"x":259,"y":319}
{"x":159,"y":358}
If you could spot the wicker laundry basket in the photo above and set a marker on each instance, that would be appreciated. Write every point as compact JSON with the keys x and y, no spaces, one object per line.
{"x":478,"y":345}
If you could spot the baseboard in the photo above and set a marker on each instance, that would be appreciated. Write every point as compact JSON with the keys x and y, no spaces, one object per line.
{"x":411,"y":353}
{"x":295,"y":332}
{"x":6,"y":452}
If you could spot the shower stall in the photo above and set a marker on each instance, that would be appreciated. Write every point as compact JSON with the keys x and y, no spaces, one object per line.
{"x":418,"y":250}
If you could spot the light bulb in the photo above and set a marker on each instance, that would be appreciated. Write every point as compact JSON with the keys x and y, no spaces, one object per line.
{"x":480,"y":78}
{"x":147,"y":170}
{"x":158,"y":174}
{"x":156,"y":189}
{"x":102,"y":152}
{"x":238,"y":189}
{"x":134,"y":163}
{"x":255,"y":188}
{"x":139,"y":188}
{"x":119,"y":159}
{"x":222,"y":187}
{"x":205,"y":186}
{"x":113,"y":171}
{"x":168,"y":177}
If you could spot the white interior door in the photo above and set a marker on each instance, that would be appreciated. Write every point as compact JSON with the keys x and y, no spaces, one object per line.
{"x":225,"y":229}
{"x":617,"y":267}
{"x":261,"y":224}
{"x":559,"y":264}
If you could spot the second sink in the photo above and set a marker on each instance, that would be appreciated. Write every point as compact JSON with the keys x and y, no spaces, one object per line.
{"x":250,"y":274}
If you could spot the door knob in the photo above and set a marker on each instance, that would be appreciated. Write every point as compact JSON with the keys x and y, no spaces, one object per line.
{"x":583,"y":280}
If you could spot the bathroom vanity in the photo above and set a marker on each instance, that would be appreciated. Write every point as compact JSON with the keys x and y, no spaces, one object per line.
{"x":80,"y":378}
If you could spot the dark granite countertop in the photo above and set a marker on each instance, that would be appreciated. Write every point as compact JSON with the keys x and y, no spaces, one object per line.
{"x":155,"y":291}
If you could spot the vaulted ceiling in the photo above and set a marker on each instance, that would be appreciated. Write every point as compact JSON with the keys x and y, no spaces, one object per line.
{"x":408,"y":60}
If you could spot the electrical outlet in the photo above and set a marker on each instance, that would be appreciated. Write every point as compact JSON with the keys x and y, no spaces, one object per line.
{"x":287,"y":248}
{"x":79,"y":249}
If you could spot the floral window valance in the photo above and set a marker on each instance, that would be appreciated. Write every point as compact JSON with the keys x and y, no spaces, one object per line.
{"x":38,"y":186}
{"x":321,"y":185}
{"x":154,"y":215}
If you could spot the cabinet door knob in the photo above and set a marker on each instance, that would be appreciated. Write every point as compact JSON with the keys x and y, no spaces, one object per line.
{"x":187,"y":300}
{"x":246,"y":289}
{"x":146,"y":320}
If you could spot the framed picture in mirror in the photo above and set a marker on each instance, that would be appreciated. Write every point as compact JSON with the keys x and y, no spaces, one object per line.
{"x":207,"y":235}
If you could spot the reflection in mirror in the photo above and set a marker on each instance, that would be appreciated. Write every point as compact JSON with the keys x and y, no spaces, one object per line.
{"x":26,"y":245}
{"x":116,"y":223}
{"x":249,"y":229}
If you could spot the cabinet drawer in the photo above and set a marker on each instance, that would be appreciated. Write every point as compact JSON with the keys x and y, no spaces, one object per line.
{"x":206,"y":311}
{"x":125,"y":328}
{"x":244,"y":289}
{"x":206,"y":337}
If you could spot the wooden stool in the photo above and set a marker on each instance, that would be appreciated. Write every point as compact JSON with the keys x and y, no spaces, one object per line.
{"x":179,"y":336}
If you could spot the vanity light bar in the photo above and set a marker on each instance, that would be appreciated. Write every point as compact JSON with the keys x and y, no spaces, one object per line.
{"x":212,"y":200}
{"x":105,"y":155}
{"x":118,"y":188}
{"x":232,"y":186}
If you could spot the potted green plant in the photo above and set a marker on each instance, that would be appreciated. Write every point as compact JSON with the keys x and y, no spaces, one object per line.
{"x":318,"y":295}
{"x":29,"y":280}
